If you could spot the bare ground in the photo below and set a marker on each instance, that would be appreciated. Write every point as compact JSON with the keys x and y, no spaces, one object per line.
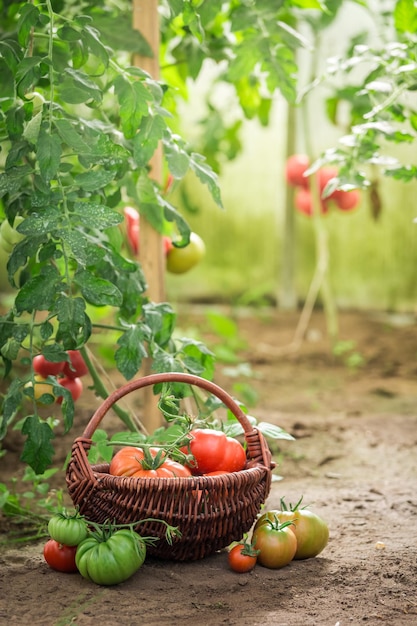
{"x":354,"y":461}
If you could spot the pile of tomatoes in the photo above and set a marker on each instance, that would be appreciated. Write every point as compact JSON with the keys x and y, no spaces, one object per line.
{"x":279,"y":537}
{"x":295,"y":169}
{"x":103,"y":554}
{"x":68,"y":373}
{"x":208,"y":452}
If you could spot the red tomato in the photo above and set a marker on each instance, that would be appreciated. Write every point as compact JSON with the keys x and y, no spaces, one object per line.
{"x":347,"y":200}
{"x":213,"y":451}
{"x":324,"y":176}
{"x":242,"y":558}
{"x":132,"y":220}
{"x":295,"y":167}
{"x":47,"y":368}
{"x":167,"y":243}
{"x":60,"y":557}
{"x":276,"y":543}
{"x":77,"y":366}
{"x":303,"y":202}
{"x":135,"y":462}
{"x":74,"y":385}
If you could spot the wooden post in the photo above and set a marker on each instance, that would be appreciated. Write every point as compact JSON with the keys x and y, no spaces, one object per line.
{"x":151,"y":256}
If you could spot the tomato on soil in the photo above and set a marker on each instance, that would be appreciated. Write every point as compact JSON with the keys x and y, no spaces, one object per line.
{"x":242,"y":557}
{"x":276,"y":542}
{"x":69,"y":530}
{"x":60,"y":557}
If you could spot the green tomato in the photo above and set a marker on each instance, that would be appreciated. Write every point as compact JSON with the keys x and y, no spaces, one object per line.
{"x":9,"y":233}
{"x":276,"y":543}
{"x":111,"y":560}
{"x":180,"y":260}
{"x":69,"y":530}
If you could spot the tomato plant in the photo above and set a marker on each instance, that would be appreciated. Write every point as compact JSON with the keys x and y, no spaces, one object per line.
{"x":68,"y":529}
{"x":110,"y":557}
{"x":242,"y":557}
{"x":213,"y":451}
{"x":59,"y":556}
{"x":276,"y":542}
{"x":146,"y":463}
{"x":184,"y":258}
{"x":46,"y":368}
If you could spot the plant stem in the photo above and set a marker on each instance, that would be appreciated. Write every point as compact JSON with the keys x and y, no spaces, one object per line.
{"x":102,"y":392}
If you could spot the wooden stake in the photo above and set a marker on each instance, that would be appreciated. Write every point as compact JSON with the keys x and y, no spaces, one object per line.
{"x":151,"y":255}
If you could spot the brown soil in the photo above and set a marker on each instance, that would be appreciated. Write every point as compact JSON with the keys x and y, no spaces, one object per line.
{"x":354,"y":460}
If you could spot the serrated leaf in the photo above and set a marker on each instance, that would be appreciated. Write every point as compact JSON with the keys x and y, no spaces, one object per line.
{"x":207,"y":176}
{"x":49,"y":154}
{"x":11,"y":405}
{"x":39,"y":292}
{"x":98,"y":216}
{"x":146,"y":140}
{"x":133,"y":102}
{"x":37,"y":451}
{"x":131,"y":351}
{"x":98,"y":291}
{"x":74,"y":324}
{"x":95,"y":179}
{"x":70,"y":136}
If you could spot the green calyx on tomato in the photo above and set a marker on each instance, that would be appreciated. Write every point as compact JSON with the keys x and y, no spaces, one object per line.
{"x":68,"y":529}
{"x":111,"y":556}
{"x":146,"y":462}
{"x":276,"y":542}
{"x":213,"y":451}
{"x":242,"y":556}
{"x":310,"y":529}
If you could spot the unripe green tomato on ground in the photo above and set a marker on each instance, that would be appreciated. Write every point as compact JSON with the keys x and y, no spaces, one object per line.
{"x":181,"y":260}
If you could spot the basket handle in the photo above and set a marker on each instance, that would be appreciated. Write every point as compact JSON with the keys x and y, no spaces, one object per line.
{"x":256,"y":444}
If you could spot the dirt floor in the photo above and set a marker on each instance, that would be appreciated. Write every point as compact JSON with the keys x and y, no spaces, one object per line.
{"x":354,"y":460}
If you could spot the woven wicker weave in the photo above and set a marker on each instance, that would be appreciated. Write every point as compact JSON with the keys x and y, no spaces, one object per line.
{"x":209,"y":511}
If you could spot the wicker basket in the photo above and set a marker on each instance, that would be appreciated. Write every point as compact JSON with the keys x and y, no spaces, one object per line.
{"x":209,"y":511}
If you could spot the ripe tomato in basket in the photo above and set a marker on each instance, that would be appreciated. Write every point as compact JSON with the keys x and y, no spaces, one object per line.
{"x":214,"y":451}
{"x":146,"y":463}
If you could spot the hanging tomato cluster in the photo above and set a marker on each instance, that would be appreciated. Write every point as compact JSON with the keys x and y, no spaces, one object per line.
{"x":295,"y":169}
{"x":68,"y":375}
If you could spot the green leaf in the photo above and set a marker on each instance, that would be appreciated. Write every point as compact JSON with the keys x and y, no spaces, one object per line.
{"x":11,"y":405}
{"x":49,"y":154}
{"x":74,"y":324}
{"x":77,"y":88}
{"x":273,"y":432}
{"x":98,"y":216}
{"x":38,"y":451}
{"x":95,"y":179}
{"x":131,"y":351}
{"x":405,"y":16}
{"x":39,"y":292}
{"x":146,"y":140}
{"x":133,"y":102}
{"x":98,"y":291}
{"x":207,"y":176}
{"x":70,"y":136}
{"x":29,"y":16}
{"x":124,"y":37}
